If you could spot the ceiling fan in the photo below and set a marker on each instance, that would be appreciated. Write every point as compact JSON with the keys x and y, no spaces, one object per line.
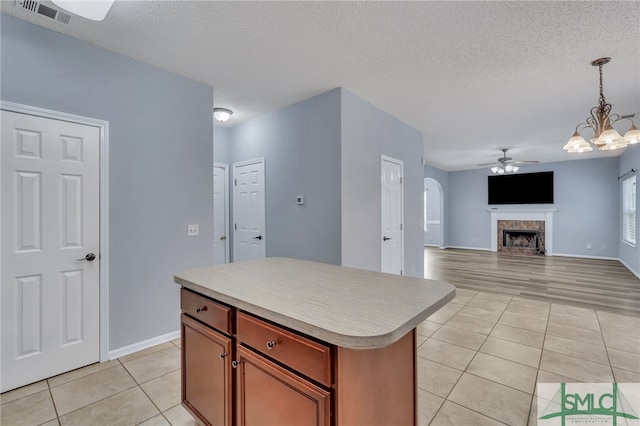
{"x":506,"y":164}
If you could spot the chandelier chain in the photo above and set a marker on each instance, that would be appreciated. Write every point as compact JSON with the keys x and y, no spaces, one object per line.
{"x":602,"y":100}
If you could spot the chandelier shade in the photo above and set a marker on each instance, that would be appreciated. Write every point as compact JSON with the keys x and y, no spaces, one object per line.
{"x":633,"y":135}
{"x":577,"y":144}
{"x":605,"y":137}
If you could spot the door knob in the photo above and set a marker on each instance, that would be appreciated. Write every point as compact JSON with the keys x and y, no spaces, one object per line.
{"x":259,"y":237}
{"x":385,"y":238}
{"x":224,"y":237}
{"x":90,"y":257}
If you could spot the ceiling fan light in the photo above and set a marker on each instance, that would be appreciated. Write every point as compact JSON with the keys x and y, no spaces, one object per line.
{"x":500,"y":171}
{"x":495,"y":169}
{"x":633,"y":135}
{"x":515,"y":168}
{"x":508,"y":168}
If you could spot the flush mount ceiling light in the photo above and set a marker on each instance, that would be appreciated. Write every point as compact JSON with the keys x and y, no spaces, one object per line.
{"x":95,"y":10}
{"x":605,"y":137}
{"x":506,"y":164}
{"x":222,"y":114}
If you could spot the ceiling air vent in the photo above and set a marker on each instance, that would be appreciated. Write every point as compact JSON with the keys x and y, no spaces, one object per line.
{"x":41,"y":9}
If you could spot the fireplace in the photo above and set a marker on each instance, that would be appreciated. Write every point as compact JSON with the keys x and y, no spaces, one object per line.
{"x":522,"y":219}
{"x":520,"y":238}
{"x":523,"y":237}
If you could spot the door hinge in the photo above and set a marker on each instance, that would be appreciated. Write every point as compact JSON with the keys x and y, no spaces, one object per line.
{"x":235,"y":226}
{"x":401,"y":272}
{"x":401,"y":227}
{"x":400,"y":180}
{"x":235,"y":182}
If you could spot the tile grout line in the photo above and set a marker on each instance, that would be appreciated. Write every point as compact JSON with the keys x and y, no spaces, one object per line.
{"x":53,"y":402}
{"x":606,"y":348}
{"x":467,"y":366}
{"x":535,"y":388}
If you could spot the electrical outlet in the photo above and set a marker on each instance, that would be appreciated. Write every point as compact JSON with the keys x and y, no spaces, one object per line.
{"x":589,"y":246}
{"x":192,"y":230}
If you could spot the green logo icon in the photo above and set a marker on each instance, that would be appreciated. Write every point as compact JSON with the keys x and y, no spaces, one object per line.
{"x":588,"y":403}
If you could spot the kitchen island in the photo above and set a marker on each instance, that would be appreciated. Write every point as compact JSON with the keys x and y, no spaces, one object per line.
{"x":281,"y":341}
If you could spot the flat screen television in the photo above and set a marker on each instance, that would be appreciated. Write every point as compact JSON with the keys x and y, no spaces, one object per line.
{"x":523,"y":188}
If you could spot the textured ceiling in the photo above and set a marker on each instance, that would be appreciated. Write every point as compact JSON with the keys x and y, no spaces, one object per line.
{"x":474,"y":77}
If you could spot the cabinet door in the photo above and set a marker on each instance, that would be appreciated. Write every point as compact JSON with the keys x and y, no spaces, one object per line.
{"x":206,"y":373}
{"x":271,"y":395}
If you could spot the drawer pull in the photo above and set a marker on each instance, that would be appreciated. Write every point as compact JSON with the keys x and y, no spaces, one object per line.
{"x":271,"y":344}
{"x":203,"y":309}
{"x":234,"y":364}
{"x":223,"y":355}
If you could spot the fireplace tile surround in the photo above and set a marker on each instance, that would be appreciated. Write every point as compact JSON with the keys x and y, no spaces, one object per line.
{"x":533,"y":215}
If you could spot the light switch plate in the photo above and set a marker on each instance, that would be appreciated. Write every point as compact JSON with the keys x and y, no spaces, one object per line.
{"x":192,"y":230}
{"x":299,"y":200}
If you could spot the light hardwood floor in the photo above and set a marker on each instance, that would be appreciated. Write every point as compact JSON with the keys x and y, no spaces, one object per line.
{"x":604,"y":285}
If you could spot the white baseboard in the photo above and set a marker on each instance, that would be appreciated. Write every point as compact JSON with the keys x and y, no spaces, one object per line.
{"x":633,"y":271}
{"x":585,"y":256}
{"x":129,"y":349}
{"x":468,"y":248}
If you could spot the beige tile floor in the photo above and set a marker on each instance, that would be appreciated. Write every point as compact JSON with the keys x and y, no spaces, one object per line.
{"x":479,"y":358}
{"x":139,"y":389}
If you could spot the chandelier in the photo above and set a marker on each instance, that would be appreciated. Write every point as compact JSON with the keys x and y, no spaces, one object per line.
{"x":605,"y":137}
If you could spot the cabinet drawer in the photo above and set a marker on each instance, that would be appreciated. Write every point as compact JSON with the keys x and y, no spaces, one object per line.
{"x":206,"y":310}
{"x":301,"y":354}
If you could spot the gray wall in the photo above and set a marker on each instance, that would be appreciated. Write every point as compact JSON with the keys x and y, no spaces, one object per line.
{"x":160,"y":163}
{"x":367,"y":133}
{"x":221,"y":144}
{"x":586,"y":196}
{"x":630,"y":255}
{"x":301,"y":147}
{"x":443,"y":178}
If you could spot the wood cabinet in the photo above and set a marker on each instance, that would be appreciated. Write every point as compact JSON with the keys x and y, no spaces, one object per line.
{"x":268,"y":394}
{"x":239,"y":369}
{"x":206,"y":365}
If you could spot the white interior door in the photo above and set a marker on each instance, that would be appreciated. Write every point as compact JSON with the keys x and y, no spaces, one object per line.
{"x":220,"y":214}
{"x":248,"y":210}
{"x":50,"y":232}
{"x":392,"y":213}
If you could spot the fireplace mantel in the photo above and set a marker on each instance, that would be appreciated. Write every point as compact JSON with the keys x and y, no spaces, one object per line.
{"x":545,"y":215}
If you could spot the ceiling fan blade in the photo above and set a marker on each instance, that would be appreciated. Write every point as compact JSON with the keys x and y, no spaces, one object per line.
{"x":488,"y":164}
{"x":525,"y":162}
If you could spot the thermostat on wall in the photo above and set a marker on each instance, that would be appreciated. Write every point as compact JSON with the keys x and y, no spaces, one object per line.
{"x":299,"y":200}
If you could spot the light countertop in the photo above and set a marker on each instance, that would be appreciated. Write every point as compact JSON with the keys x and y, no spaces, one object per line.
{"x":343,"y":306}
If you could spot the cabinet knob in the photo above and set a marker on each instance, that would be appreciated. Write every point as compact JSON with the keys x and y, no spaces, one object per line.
{"x":234,"y":364}
{"x":223,"y":355}
{"x":203,"y":309}
{"x":271,"y":344}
